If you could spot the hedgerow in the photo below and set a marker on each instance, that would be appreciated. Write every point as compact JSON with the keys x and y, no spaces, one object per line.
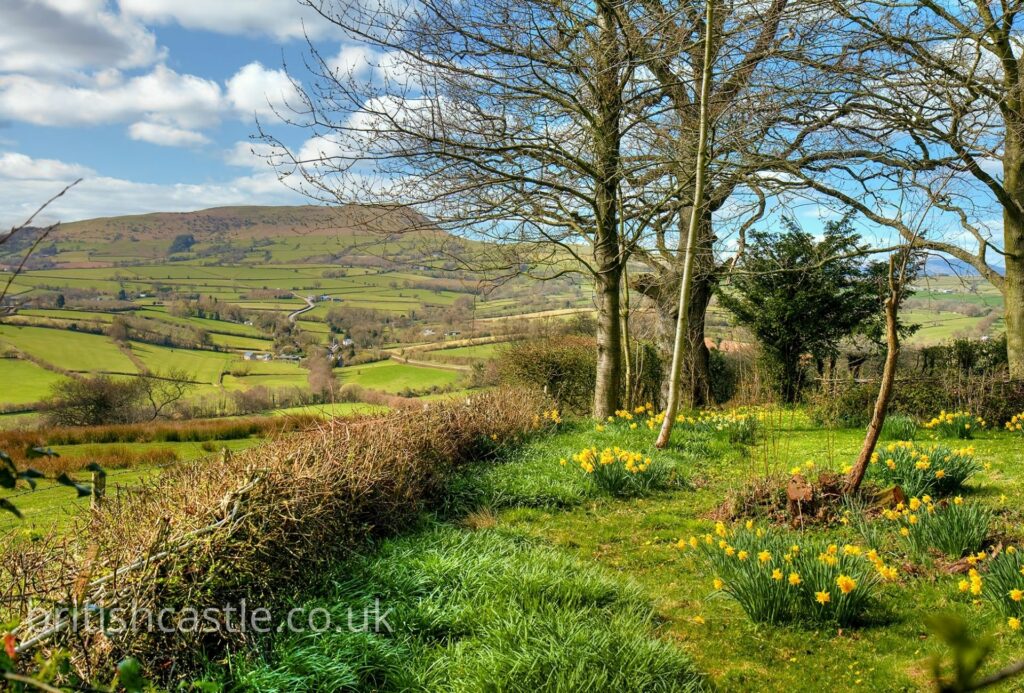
{"x":253,"y":525}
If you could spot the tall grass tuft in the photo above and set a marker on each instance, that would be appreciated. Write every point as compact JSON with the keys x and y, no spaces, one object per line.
{"x":475,"y":611}
{"x":899,"y":427}
{"x":954,"y":528}
{"x":1003,"y":582}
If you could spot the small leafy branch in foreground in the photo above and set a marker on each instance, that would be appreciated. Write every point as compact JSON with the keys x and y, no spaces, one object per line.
{"x":969,"y":655}
{"x":11,"y":477}
{"x":955,"y":528}
{"x":957,"y":424}
{"x":777,"y":576}
{"x":933,"y":470}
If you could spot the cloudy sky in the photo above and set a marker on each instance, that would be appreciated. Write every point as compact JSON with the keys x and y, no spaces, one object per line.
{"x":152,"y":102}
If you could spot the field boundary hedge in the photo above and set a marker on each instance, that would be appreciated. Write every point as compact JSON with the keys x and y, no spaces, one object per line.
{"x":209,"y":534}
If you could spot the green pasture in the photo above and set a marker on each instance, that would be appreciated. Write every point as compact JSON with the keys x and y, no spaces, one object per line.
{"x":23,"y":382}
{"x":202,"y":366}
{"x":53,"y":506}
{"x":390,"y":376}
{"x":68,"y":350}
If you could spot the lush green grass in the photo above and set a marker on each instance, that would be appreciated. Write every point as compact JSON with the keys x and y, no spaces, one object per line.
{"x":201,"y":366}
{"x":73,"y":351}
{"x":24,"y":381}
{"x":479,"y":351}
{"x":892,"y":651}
{"x":533,"y":476}
{"x":391,"y":376}
{"x":476,"y":611}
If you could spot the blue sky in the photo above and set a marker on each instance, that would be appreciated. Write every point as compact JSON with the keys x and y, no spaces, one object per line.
{"x":152,"y":102}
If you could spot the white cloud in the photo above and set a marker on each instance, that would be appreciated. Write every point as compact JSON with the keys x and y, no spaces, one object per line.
{"x":166,"y":135}
{"x":27,"y":182}
{"x":54,"y":36}
{"x":162,"y":95}
{"x":15,"y":166}
{"x":257,"y":89}
{"x":282,"y":19}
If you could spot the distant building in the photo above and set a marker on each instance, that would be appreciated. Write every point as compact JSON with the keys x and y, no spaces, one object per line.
{"x":347,"y":342}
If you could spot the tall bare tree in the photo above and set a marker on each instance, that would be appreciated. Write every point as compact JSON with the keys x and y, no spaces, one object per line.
{"x":764,"y":76}
{"x":690,"y":248}
{"x":934,"y":109}
{"x":498,"y":121}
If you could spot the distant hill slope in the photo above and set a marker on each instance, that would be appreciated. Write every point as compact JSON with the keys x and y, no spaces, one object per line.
{"x":385,"y":237}
{"x":247,"y":222}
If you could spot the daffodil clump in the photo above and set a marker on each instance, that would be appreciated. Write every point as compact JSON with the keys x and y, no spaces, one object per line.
{"x":620,"y":472}
{"x":1001,"y":584}
{"x":923,"y":470}
{"x":739,"y":427}
{"x":956,"y":528}
{"x":1016,"y":424}
{"x":632,"y":418}
{"x":548,"y":418}
{"x":778,"y":576}
{"x":957,"y":424}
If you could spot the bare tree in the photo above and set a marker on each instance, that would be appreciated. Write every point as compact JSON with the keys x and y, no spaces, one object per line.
{"x":161,"y":390}
{"x":933,"y":110}
{"x":510,"y":122}
{"x":686,"y":283}
{"x":764,"y":77}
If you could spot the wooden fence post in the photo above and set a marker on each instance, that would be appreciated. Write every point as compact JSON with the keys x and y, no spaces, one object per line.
{"x":99,"y":489}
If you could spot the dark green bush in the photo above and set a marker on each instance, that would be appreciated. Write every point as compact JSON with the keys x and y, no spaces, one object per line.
{"x":723,"y":376}
{"x":993,"y":397}
{"x":565,"y":366}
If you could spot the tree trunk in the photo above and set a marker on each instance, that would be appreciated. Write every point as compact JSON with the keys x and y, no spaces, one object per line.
{"x":608,"y":382}
{"x":1013,"y":293}
{"x":609,"y":255}
{"x":892,"y":355}
{"x":695,"y":384}
{"x":693,"y":229}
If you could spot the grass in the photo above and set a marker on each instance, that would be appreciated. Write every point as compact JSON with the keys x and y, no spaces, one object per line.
{"x":73,"y":351}
{"x":201,"y":366}
{"x":393,"y":377}
{"x":453,"y":596}
{"x":473,"y":611}
{"x":52,"y":507}
{"x":637,"y":537}
{"x":25,"y":382}
{"x":328,"y":411}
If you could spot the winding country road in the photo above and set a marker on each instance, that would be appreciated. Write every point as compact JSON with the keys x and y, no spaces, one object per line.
{"x":309,"y":306}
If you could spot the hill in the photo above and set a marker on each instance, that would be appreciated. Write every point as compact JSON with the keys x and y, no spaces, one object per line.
{"x":238,"y":297}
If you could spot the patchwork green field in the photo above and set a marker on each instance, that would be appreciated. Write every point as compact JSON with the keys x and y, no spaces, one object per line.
{"x":117,"y":296}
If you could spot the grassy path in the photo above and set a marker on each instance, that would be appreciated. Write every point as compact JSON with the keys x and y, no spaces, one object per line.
{"x":456,"y":628}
